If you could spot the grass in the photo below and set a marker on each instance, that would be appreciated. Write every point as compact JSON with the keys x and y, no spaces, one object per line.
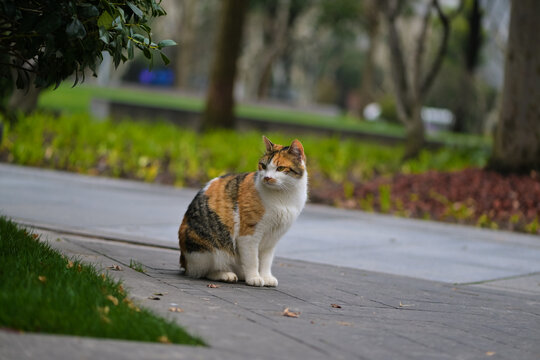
{"x":156,"y":151}
{"x":42,"y":291}
{"x":77,"y":101}
{"x":137,"y":266}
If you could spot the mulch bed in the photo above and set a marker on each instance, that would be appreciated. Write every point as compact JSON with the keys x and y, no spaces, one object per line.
{"x":471,"y":196}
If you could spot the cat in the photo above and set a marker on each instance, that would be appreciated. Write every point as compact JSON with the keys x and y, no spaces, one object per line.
{"x":231,"y":228}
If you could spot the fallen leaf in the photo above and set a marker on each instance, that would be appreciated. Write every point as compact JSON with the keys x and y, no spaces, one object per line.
{"x":112,"y":299}
{"x":69,"y":264}
{"x":336,"y":306}
{"x":175,"y":309}
{"x":490,"y":353}
{"x":344,"y":323}
{"x":35,"y":236}
{"x":164,"y":339}
{"x":213,"y":286}
{"x":405,"y":305}
{"x":115,"y":267}
{"x":154,"y":298}
{"x":79,"y":267}
{"x":159,"y":294}
{"x":289,"y":313}
{"x":121,"y":289}
{"x":103,"y":276}
{"x":42,"y":278}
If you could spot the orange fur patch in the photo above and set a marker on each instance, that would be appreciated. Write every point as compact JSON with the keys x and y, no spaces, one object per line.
{"x":249,"y":205}
{"x":220,"y":203}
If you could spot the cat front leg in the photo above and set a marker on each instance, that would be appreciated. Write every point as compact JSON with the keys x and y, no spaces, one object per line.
{"x":266,"y":257}
{"x":248,"y":248}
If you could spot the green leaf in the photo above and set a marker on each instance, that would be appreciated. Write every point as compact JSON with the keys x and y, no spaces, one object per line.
{"x":147,"y":53}
{"x":139,"y":38}
{"x":105,"y":20}
{"x":165,"y":59}
{"x":165,"y":43}
{"x":76,"y":29}
{"x":134,"y":8}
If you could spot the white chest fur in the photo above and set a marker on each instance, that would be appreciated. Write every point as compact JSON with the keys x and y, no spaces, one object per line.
{"x":282,"y":207}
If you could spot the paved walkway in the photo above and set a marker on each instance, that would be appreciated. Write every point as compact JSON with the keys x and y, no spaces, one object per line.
{"x":383,"y":314}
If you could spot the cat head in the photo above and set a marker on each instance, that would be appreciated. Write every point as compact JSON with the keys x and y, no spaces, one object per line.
{"x":282,"y":166}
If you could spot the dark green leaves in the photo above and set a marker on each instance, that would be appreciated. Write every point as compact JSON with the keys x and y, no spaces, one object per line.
{"x":165,"y":43}
{"x":66,"y":37}
{"x":76,"y":29}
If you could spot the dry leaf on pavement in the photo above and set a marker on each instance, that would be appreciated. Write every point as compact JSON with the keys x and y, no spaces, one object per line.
{"x":115,"y":267}
{"x":336,"y":306}
{"x":344,"y":323}
{"x":175,"y":309}
{"x":154,"y":298}
{"x":289,"y":313}
{"x":405,"y":305}
{"x":213,"y":286}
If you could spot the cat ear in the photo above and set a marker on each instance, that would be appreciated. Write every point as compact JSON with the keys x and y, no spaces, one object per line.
{"x":269,"y":145}
{"x":297,"y":149}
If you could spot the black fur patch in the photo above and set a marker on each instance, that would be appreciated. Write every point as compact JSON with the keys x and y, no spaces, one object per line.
{"x":207,"y":225}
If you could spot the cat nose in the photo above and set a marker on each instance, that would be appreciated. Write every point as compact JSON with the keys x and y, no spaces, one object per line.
{"x":267,"y":178}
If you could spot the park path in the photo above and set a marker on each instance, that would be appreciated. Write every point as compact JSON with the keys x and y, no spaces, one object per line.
{"x":424,"y":306}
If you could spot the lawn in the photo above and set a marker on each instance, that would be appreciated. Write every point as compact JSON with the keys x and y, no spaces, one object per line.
{"x":42,"y":291}
{"x":77,"y":101}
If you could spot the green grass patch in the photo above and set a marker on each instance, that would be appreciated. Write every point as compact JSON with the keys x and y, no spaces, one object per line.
{"x":77,"y":101}
{"x":156,"y":151}
{"x":42,"y":291}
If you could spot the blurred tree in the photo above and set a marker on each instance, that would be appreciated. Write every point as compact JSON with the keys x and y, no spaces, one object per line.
{"x":220,"y":95}
{"x":411,"y":89}
{"x":43,"y":41}
{"x":184,"y":53}
{"x":460,"y":90}
{"x":279,"y":18}
{"x":517,"y":138}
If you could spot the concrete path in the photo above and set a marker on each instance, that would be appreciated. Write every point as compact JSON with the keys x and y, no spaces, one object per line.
{"x":380,"y":316}
{"x":126,"y":210}
{"x":406,"y":289}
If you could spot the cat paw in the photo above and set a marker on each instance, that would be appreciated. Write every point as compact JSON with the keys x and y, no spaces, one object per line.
{"x":270,"y":281}
{"x":255,"y":281}
{"x":226,"y":276}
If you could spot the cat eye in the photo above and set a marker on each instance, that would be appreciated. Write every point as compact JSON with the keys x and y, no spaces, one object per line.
{"x":281,"y":168}
{"x":263,"y":166}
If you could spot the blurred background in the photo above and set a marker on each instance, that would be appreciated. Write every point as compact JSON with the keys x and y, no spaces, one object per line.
{"x":396,"y":102}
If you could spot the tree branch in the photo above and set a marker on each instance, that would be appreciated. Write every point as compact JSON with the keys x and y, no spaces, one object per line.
{"x":419,"y":53}
{"x":397,"y":61}
{"x":432,"y":73}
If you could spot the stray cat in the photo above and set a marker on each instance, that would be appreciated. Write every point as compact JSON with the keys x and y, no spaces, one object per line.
{"x":233,"y":224}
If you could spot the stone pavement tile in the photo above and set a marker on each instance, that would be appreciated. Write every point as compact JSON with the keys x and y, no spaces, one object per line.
{"x":14,"y":346}
{"x":381,"y":316}
{"x":527,"y":284}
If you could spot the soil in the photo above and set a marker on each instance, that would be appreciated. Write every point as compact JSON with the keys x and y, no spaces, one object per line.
{"x":472,"y":196}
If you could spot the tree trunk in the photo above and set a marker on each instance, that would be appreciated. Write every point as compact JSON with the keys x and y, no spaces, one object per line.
{"x":187,"y":38}
{"x":220,"y":96}
{"x":274,"y":50}
{"x":368,"y":79}
{"x":517,"y":138}
{"x":415,"y":133}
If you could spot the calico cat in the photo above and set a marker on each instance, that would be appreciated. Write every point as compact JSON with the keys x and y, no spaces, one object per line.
{"x":233,"y":224}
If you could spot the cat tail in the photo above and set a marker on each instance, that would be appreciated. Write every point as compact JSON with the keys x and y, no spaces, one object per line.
{"x":182,"y":243}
